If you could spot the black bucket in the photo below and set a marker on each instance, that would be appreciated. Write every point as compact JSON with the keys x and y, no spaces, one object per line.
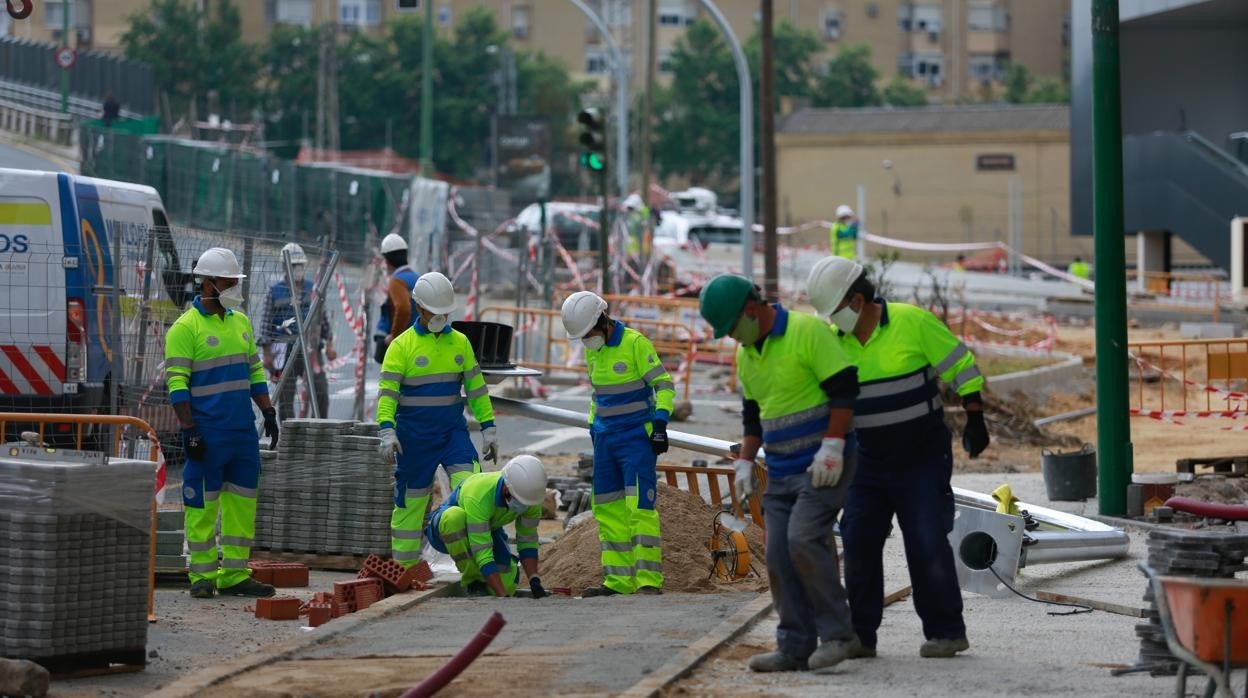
{"x":1069,"y":477}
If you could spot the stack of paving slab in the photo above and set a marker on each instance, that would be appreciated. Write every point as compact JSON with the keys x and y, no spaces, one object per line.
{"x":1180,"y":553}
{"x":325,"y":490}
{"x":74,"y":556}
{"x":170,"y":535}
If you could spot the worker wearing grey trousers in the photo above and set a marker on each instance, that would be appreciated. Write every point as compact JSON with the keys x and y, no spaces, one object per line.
{"x":805,"y":580}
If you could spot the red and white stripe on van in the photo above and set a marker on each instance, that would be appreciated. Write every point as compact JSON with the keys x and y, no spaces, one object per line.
{"x":30,"y":370}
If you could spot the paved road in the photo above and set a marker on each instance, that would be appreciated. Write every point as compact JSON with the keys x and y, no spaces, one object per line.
{"x":24,"y":159}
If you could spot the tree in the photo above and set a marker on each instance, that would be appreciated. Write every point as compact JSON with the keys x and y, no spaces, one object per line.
{"x":1017,"y":83}
{"x":794,"y":52}
{"x":192,"y":53}
{"x":1049,"y":91}
{"x":904,"y":93}
{"x":849,"y":80}
{"x":544,"y":88}
{"x":289,"y":62}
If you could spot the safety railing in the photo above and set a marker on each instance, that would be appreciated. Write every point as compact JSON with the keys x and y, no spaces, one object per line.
{"x":30,"y":122}
{"x":1185,"y":291}
{"x":718,"y":482}
{"x":122,"y":445}
{"x":670,"y":339}
{"x":721,"y":351}
{"x":1189,"y":376}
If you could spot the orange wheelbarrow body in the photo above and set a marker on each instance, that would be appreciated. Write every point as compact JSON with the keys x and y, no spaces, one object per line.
{"x":1198,"y":608}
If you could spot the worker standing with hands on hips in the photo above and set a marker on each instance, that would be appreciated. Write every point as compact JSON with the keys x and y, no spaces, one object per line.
{"x":799,"y":392}
{"x":905,"y":452}
{"x":396,"y":310}
{"x":469,"y":527}
{"x":214,"y":373}
{"x":628,"y":414}
{"x":421,"y":411}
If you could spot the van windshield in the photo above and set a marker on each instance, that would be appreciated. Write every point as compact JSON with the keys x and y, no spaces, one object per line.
{"x":710,"y":234}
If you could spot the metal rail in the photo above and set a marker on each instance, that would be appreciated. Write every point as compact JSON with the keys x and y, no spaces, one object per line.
{"x":1077,"y":538}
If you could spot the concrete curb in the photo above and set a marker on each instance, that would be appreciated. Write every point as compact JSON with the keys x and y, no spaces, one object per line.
{"x":195,"y":683}
{"x":687,"y":660}
{"x":1043,"y":380}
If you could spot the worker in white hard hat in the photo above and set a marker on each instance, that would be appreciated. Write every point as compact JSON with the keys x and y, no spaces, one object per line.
{"x":628,"y":414}
{"x":843,"y":236}
{"x":469,"y":527}
{"x":421,"y":411}
{"x":396,"y":310}
{"x":278,"y":331}
{"x":214,"y":374}
{"x":904,"y":450}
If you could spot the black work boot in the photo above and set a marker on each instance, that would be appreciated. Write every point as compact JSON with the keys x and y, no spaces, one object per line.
{"x":203,"y":589}
{"x":604,"y":590}
{"x":249,"y":587}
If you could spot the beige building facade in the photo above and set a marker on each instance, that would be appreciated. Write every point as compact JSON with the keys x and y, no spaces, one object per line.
{"x":956,"y":49}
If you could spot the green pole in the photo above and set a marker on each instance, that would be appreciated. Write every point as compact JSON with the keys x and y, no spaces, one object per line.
{"x":65,"y":7}
{"x":1113,"y":426}
{"x":426,"y":95}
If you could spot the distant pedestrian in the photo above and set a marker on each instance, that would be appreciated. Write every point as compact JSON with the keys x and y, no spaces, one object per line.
{"x":278,"y":331}
{"x":843,"y":236}
{"x":112,"y":110}
{"x":1079,"y":269}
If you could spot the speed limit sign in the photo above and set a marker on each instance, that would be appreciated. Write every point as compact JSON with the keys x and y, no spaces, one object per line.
{"x":66,"y":57}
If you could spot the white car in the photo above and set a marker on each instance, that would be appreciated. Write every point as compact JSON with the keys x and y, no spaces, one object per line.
{"x":714,"y":234}
{"x":568,"y":219}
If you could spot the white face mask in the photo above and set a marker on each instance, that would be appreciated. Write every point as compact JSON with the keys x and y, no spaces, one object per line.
{"x":845,"y":319}
{"x":297,"y":271}
{"x":516,"y":506}
{"x":436,"y":324}
{"x":594,"y":342}
{"x":231,"y":298}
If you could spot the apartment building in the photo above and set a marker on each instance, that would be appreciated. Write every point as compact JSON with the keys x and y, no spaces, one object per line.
{"x":954,"y":48}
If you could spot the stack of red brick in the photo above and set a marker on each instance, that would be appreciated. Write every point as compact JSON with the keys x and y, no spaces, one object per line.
{"x":377,"y":579}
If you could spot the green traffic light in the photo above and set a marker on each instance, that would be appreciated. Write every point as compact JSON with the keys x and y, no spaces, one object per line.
{"x":593,"y":161}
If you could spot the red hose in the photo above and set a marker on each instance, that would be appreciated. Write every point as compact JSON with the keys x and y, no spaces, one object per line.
{"x":447,"y":672}
{"x":1212,"y":510}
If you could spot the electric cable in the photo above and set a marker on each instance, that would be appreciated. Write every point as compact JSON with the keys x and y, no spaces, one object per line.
{"x":1079,"y":608}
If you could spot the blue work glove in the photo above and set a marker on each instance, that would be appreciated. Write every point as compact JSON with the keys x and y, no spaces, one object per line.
{"x":193,"y":444}
{"x":658,"y":437}
{"x":270,"y":427}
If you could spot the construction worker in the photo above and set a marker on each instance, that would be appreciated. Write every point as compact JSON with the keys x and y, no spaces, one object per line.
{"x":959,"y":264}
{"x":905,"y":452}
{"x":799,"y":392}
{"x":279,"y":329}
{"x":214,"y":374}
{"x":396,"y":310}
{"x":469,"y":527}
{"x":1079,"y":269}
{"x":843,"y":236}
{"x":628,"y":414}
{"x":421,"y":412}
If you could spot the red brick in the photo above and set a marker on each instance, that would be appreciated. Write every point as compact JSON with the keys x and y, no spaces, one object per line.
{"x":289,"y":575}
{"x":278,"y":608}
{"x":261,"y":571}
{"x":320,"y":613}
{"x":358,"y":594}
{"x":396,"y":577}
{"x":423,"y":573}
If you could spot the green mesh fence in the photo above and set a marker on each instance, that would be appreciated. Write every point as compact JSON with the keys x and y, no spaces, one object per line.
{"x":211,"y":187}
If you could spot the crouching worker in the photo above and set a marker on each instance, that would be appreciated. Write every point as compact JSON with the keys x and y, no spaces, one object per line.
{"x":469,"y":527}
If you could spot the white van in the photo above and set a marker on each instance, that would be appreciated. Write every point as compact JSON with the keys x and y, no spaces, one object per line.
{"x":59,"y":234}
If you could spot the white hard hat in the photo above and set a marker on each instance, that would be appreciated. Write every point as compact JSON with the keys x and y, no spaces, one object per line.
{"x":632,"y":201}
{"x":829,"y":281}
{"x":218,"y":263}
{"x":842,"y":211}
{"x":525,"y":478}
{"x":297,"y":255}
{"x":581,"y":312}
{"x":393,"y":243}
{"x":434,"y":293}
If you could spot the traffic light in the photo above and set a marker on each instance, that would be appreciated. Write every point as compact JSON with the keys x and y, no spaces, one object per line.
{"x":593,"y":139}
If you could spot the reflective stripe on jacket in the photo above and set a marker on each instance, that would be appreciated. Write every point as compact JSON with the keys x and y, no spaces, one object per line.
{"x":630,"y":385}
{"x":212,"y":362}
{"x":421,"y":378}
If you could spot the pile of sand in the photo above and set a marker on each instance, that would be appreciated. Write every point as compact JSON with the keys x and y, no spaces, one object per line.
{"x":685,"y":522}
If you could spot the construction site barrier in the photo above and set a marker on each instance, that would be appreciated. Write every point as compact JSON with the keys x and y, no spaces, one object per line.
{"x":670,"y":339}
{"x":722,"y":351}
{"x":719,"y":487}
{"x":120,"y":447}
{"x":1191,"y":376}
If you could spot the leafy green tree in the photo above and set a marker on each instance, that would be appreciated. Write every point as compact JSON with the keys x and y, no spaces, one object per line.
{"x":1049,"y":91}
{"x":544,"y":88}
{"x":849,"y":80}
{"x":289,"y":61}
{"x":1017,"y":83}
{"x":904,"y":93}
{"x":193,"y":52}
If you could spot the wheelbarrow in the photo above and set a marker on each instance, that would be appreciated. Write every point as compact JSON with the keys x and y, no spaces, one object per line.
{"x":1206,"y":625}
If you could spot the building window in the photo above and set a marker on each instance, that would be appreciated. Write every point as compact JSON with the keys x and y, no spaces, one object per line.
{"x":596,"y":61}
{"x":905,"y":65}
{"x":444,"y":16}
{"x":79,"y":14}
{"x":675,"y":13}
{"x":520,"y":21}
{"x":905,"y":18}
{"x":359,"y":13}
{"x":981,"y":66}
{"x":832,"y":25}
{"x":930,"y":69}
{"x":296,"y":12}
{"x":665,"y":60}
{"x":928,"y":18}
{"x":987,"y":17}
